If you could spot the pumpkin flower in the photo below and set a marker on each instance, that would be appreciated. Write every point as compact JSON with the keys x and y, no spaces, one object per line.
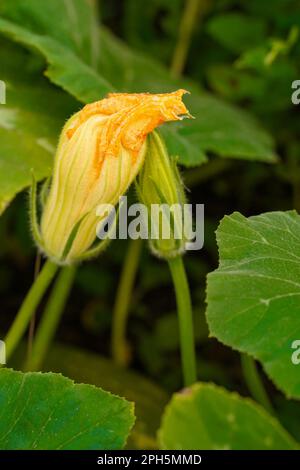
{"x":100,"y":151}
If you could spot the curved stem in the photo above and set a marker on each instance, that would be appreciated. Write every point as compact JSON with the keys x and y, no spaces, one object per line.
{"x":28,"y":306}
{"x":185,"y":317}
{"x":255,"y":383}
{"x":184,"y":37}
{"x":50,"y":319}
{"x":122,"y":302}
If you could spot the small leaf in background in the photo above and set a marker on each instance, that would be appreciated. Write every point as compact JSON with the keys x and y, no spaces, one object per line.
{"x":50,"y":412}
{"x":207,"y":417}
{"x":236,"y":31}
{"x":254,"y":296}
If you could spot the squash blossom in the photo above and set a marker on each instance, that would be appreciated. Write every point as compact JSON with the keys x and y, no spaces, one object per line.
{"x":100,"y":151}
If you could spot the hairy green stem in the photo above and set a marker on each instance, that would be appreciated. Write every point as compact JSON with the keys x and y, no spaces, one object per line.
{"x":50,"y":319}
{"x":184,"y":36}
{"x":255,"y":383}
{"x":122,"y":302}
{"x":28,"y":307}
{"x":185,"y":317}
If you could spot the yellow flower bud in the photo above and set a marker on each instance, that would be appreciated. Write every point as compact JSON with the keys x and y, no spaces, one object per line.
{"x":100,"y":151}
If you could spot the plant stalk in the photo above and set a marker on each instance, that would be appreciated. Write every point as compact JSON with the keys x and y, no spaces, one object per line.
{"x":186,"y":28}
{"x":185,"y":317}
{"x":29,"y":306}
{"x":37,"y":267}
{"x":122,"y":302}
{"x":255,"y":383}
{"x":50,"y":319}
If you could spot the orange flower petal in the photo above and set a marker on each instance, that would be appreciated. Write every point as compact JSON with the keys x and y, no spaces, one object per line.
{"x":131,"y":117}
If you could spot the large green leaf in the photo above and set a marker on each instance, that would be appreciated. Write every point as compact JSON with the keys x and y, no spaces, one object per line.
{"x":70,"y":22}
{"x":29,"y":122}
{"x":254,"y":296}
{"x":87,"y":367}
{"x":218,"y":127}
{"x":48,"y":411}
{"x":65,"y":33}
{"x":207,"y":417}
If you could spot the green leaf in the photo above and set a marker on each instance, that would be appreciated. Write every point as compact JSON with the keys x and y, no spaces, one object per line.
{"x":237,"y":31}
{"x":87,"y":367}
{"x":218,"y":127}
{"x":29,"y":123}
{"x":48,"y":411}
{"x":65,"y":33}
{"x":254,"y":296}
{"x":207,"y":417}
{"x":288,"y":412}
{"x":73,"y":23}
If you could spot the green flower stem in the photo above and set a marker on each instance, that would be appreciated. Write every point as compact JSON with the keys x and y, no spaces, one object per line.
{"x":50,"y":319}
{"x":122,"y":302}
{"x":185,"y":317}
{"x":31,"y":329}
{"x":254,"y":382}
{"x":186,"y":27}
{"x":29,"y":306}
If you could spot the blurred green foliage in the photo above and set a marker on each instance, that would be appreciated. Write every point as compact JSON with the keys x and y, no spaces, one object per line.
{"x":242,"y":60}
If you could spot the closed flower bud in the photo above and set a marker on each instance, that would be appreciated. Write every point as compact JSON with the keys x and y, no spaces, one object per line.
{"x":100,"y":151}
{"x":160,"y":188}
